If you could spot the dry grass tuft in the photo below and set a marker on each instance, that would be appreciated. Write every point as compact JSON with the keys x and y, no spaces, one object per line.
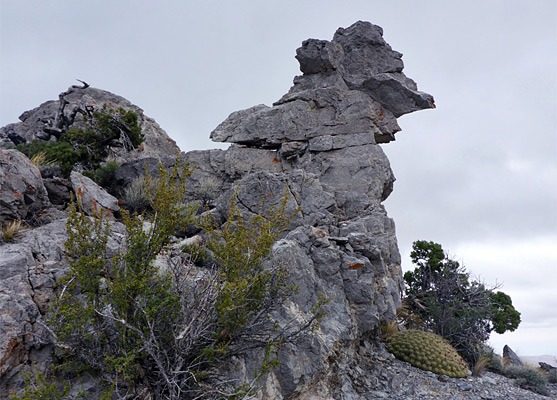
{"x":388,"y":329}
{"x":407,"y":317}
{"x":41,"y":159}
{"x":481,"y":364}
{"x":9,"y":232}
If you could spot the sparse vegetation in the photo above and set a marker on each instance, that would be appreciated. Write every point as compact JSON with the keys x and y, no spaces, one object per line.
{"x":12,"y":230}
{"x":494,"y":360}
{"x":167,"y":332}
{"x":452,"y":304}
{"x":527,"y":378}
{"x":480,"y":365}
{"x":135,"y":196}
{"x":103,"y":175}
{"x":38,"y":387}
{"x":89,"y":147}
{"x":551,"y":376}
{"x":388,"y":329}
{"x":196,"y":251}
{"x":41,"y":159}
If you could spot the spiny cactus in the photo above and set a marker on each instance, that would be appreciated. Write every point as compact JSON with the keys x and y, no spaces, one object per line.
{"x":427,"y":351}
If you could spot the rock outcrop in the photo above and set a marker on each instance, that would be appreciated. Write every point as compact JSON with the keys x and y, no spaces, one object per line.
{"x":320,"y":145}
{"x":37,"y":122}
{"x":22,"y":192}
{"x":511,"y":357}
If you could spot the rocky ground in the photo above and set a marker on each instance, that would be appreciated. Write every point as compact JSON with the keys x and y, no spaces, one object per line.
{"x":397,"y":380}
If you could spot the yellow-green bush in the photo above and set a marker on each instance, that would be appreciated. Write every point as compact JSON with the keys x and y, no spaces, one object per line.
{"x":427,"y":351}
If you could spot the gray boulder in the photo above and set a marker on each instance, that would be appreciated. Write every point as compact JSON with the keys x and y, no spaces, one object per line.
{"x":28,"y":270}
{"x":92,"y":198}
{"x":22,"y":192}
{"x":511,"y":357}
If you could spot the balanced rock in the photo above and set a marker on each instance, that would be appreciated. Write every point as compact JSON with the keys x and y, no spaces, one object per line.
{"x":351,"y":93}
{"x":319,"y":146}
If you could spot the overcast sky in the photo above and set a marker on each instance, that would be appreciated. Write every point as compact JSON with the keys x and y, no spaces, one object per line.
{"x":478,"y":174}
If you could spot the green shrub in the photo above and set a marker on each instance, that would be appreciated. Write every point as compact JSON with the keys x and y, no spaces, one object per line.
{"x":104,"y":175}
{"x":527,"y":378}
{"x":151,"y":330}
{"x":452,"y":304}
{"x":427,"y":351}
{"x":115,"y":123}
{"x":551,"y":376}
{"x":38,"y":387}
{"x":240,"y":247}
{"x":90,"y":146}
{"x":61,"y":153}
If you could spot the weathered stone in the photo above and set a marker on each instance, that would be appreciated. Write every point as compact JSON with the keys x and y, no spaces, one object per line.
{"x":316,"y":56}
{"x":546,"y":366}
{"x":93,"y":198}
{"x":157,"y":143}
{"x":511,"y":357}
{"x":58,"y":190}
{"x":22,"y":193}
{"x":318,"y":145}
{"x":370,"y":65}
{"x":29,"y":269}
{"x":351,"y":85}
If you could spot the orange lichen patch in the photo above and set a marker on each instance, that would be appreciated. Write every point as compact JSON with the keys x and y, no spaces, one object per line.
{"x":276,"y":160}
{"x":18,"y":195}
{"x":13,"y":354}
{"x":356,"y":266}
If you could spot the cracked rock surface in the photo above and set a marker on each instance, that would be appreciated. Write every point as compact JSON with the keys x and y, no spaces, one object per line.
{"x":319,"y":144}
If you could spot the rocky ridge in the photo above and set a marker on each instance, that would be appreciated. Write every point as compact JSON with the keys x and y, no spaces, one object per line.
{"x":319,"y":144}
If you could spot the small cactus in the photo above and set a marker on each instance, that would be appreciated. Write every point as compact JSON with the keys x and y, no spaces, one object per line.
{"x":427,"y":351}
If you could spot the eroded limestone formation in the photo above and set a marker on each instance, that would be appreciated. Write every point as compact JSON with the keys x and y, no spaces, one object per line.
{"x":319,"y":144}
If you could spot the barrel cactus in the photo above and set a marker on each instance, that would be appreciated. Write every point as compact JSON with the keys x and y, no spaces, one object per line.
{"x":427,"y":351}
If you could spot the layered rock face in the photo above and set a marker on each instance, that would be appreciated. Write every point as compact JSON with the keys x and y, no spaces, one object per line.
{"x":319,"y":144}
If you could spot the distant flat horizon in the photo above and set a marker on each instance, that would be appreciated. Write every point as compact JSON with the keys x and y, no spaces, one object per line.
{"x":535,"y":360}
